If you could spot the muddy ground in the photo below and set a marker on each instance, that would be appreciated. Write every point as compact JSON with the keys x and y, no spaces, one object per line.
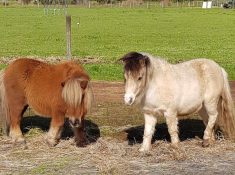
{"x":115,"y":132}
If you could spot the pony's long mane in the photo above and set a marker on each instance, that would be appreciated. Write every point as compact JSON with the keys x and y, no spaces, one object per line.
{"x":89,"y":98}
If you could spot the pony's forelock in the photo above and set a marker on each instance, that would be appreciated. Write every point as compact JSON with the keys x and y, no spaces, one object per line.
{"x":73,"y":96}
{"x":72,"y":92}
{"x":134,"y":61}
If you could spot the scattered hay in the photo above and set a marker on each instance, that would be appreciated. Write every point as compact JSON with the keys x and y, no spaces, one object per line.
{"x":106,"y":156}
{"x":33,"y":132}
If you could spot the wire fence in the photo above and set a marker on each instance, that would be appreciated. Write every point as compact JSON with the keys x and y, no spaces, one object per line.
{"x":63,"y":4}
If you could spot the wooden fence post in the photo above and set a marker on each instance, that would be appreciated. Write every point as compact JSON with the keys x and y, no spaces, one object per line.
{"x":68,"y":36}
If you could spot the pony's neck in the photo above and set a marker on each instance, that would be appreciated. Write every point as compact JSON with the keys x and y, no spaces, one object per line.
{"x":157,"y":66}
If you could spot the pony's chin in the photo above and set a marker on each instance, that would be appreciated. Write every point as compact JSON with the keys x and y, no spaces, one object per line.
{"x":137,"y":101}
{"x":130,"y":104}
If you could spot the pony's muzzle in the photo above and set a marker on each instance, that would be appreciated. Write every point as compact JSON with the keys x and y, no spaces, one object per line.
{"x":75,"y":123}
{"x":129,"y":99}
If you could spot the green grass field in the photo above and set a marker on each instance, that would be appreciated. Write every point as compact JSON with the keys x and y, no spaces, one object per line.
{"x":176,"y":34}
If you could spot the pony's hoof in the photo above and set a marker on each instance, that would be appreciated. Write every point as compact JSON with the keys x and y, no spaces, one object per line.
{"x":175,"y":145}
{"x":52,"y":142}
{"x":82,"y":143}
{"x":19,"y":141}
{"x":144,"y":149}
{"x":205,"y":143}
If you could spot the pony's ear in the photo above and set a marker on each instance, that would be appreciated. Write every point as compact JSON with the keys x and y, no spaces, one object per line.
{"x":144,"y":61}
{"x":121,"y":60}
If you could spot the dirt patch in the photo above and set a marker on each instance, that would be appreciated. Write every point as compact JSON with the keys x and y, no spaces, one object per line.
{"x":115,"y":132}
{"x":113,"y":91}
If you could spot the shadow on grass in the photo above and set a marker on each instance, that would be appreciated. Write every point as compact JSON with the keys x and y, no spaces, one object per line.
{"x":188,"y":128}
{"x":92,"y":130}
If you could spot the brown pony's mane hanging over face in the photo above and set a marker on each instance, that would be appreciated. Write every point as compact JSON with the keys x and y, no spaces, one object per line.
{"x":134,"y":61}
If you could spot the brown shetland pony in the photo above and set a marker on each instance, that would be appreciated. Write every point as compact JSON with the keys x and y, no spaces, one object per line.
{"x":58,"y":91}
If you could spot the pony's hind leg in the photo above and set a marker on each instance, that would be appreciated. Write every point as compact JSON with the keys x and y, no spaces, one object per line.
{"x":55,"y":130}
{"x":211,"y":108}
{"x":15,"y":119}
{"x":149,"y":128}
{"x":205,"y":117}
{"x":172,"y":124}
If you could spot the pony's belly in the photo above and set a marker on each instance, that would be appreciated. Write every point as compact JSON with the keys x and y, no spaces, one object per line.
{"x":186,"y":110}
{"x":190,"y":100}
{"x":39,"y":113}
{"x":39,"y":108}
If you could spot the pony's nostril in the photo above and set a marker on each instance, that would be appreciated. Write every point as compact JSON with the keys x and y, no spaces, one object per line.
{"x":129,"y":99}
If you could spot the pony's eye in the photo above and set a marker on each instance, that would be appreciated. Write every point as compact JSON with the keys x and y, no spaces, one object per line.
{"x":140,"y":78}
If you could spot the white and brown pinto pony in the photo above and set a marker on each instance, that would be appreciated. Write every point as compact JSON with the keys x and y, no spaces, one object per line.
{"x":197,"y":86}
{"x":57,"y":91}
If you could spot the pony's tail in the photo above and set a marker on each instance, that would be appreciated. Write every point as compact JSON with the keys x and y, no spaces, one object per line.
{"x":4,"y":110}
{"x":226,"y":118}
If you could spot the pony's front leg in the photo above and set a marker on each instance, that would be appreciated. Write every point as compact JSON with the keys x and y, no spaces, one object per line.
{"x":172,"y":124}
{"x":149,"y":128}
{"x":55,"y":130}
{"x":80,"y":134}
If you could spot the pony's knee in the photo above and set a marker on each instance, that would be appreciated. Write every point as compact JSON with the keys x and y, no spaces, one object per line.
{"x":173,"y":130}
{"x":150,"y":123}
